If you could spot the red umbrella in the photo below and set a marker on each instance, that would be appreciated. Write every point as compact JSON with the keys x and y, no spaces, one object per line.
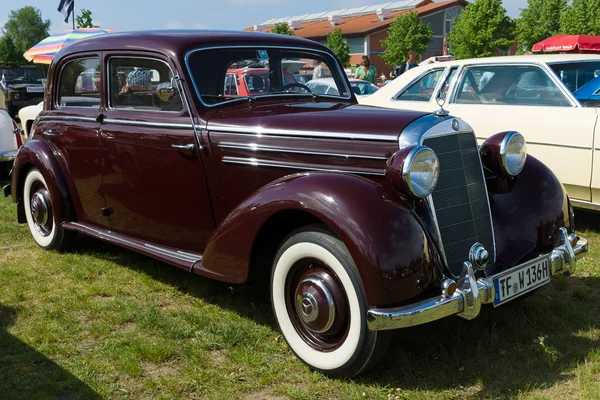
{"x":569,"y":43}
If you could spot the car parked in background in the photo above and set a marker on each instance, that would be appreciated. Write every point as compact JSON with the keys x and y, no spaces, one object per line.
{"x":10,"y":141}
{"x":362,"y":219}
{"x":20,"y":86}
{"x":544,"y":97}
{"x":27,"y":115}
{"x":328,"y":86}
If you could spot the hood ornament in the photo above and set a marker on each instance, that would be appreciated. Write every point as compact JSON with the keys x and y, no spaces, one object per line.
{"x":441,"y":100}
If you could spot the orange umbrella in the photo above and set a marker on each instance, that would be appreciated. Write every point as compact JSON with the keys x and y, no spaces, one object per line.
{"x":44,"y":51}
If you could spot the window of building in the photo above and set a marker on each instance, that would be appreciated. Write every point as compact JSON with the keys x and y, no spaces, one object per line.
{"x":79,"y":84}
{"x":436,"y":21}
{"x":451,"y":13}
{"x":356,"y":44}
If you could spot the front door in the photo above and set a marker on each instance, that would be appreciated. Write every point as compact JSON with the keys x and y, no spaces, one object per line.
{"x":523,"y":98}
{"x":153,"y":177}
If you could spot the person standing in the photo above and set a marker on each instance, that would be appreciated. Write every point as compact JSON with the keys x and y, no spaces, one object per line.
{"x":411,"y":62}
{"x":318,"y":71}
{"x":366,"y":71}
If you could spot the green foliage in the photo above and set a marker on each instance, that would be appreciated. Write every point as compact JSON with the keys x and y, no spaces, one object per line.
{"x":405,"y":34}
{"x":335,"y":42}
{"x":282,"y":29}
{"x":481,"y":30}
{"x":26,"y":28}
{"x":8,"y":53}
{"x":539,"y":20}
{"x":84,"y":20}
{"x":582,"y":17}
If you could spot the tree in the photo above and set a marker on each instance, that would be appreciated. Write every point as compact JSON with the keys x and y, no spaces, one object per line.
{"x":539,"y":20}
{"x":406,"y":33}
{"x":582,"y":17}
{"x":26,"y":28}
{"x":84,"y":20}
{"x":481,"y":30}
{"x":336,"y":43}
{"x":8,"y":53}
{"x":283,"y":29}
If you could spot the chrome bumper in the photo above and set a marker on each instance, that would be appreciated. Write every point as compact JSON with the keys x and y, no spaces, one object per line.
{"x":470,"y":292}
{"x":8,"y":156}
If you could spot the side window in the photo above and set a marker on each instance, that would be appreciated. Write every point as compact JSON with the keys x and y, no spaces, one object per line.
{"x":509,"y":84}
{"x":142,"y":84}
{"x":79,"y":84}
{"x":422,"y":89}
{"x":231,"y":85}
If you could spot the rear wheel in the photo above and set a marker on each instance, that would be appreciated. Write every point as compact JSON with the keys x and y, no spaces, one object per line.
{"x":40,"y":216}
{"x":320,"y":305}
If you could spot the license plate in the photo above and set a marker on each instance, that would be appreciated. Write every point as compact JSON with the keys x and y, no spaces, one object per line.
{"x":522,"y":279}
{"x":34,"y":89}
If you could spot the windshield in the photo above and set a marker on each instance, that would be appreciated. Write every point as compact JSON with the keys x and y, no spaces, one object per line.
{"x":229,"y":74}
{"x":14,"y":75}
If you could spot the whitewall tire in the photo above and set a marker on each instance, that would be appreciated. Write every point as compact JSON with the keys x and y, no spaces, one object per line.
{"x":320,"y":305}
{"x":41,"y":220}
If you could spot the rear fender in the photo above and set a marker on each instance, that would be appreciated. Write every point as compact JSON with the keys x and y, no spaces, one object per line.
{"x":383,"y":235}
{"x":40,"y":154}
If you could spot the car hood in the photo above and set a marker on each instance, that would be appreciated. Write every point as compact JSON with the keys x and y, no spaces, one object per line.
{"x":318,"y":117}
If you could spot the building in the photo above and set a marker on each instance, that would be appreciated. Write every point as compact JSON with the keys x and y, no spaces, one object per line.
{"x":364,"y":27}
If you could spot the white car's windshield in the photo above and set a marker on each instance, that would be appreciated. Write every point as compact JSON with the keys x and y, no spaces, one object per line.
{"x":260,"y":72}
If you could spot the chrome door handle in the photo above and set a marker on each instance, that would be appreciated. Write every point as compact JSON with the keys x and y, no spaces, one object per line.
{"x":49,"y":132}
{"x":189,"y":147}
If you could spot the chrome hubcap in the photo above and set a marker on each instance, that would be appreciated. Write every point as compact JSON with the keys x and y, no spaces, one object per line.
{"x":315,"y":304}
{"x":41,"y":210}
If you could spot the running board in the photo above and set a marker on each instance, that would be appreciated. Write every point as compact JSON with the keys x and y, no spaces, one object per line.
{"x":191,"y":262}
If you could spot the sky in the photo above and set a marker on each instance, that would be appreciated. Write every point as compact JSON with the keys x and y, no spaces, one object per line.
{"x":127,"y":15}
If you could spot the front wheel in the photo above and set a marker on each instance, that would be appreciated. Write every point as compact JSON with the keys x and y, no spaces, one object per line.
{"x":40,"y":216}
{"x":320,"y":305}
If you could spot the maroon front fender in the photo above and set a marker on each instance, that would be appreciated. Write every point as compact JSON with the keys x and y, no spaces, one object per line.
{"x":39,"y":154}
{"x":383,"y":236}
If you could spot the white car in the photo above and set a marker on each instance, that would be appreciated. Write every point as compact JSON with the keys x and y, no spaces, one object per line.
{"x":539,"y":96}
{"x":27,"y":115}
{"x":328,"y":86}
{"x":10,"y":141}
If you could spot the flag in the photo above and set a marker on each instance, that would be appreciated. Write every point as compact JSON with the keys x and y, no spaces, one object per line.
{"x":66,"y":8}
{"x":3,"y":82}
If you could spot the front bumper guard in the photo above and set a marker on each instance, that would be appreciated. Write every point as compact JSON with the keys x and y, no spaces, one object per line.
{"x":470,"y":292}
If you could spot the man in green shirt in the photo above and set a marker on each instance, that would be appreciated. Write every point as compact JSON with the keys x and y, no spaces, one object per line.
{"x":366,"y":71}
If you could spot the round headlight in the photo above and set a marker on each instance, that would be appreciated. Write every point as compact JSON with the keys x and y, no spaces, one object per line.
{"x":420,"y":171}
{"x":17,"y":96}
{"x":513,"y":153}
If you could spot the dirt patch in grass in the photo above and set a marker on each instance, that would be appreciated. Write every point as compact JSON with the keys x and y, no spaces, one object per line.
{"x":260,"y":395}
{"x":128,"y":326}
{"x":217,"y":357}
{"x":151,"y":370}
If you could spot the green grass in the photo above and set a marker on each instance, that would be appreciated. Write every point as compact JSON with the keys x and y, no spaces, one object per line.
{"x":103,"y":322}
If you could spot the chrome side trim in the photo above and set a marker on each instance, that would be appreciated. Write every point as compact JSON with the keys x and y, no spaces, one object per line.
{"x":149,"y":124}
{"x":256,"y":147}
{"x":257,"y":130}
{"x":277,"y":164}
{"x":587,"y":205}
{"x":471,"y":293}
{"x":112,"y":237}
{"x":65,"y":118}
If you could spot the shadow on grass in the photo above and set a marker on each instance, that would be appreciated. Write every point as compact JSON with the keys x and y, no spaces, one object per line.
{"x":530,"y":343}
{"x":27,"y":374}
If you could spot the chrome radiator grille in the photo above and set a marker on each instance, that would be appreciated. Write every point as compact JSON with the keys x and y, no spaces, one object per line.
{"x":460,"y":199}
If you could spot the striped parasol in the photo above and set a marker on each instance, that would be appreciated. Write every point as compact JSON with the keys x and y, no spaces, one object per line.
{"x":44,"y":51}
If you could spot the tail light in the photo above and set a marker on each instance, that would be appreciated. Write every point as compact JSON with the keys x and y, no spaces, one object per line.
{"x":18,"y":134}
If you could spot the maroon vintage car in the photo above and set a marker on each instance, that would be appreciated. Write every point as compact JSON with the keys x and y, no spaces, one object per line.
{"x":365,"y":219}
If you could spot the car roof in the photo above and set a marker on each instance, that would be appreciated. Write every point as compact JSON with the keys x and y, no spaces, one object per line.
{"x":180,"y":41}
{"x":544,"y":58}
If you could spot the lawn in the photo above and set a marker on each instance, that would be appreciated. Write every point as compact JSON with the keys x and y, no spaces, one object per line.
{"x":103,"y":322}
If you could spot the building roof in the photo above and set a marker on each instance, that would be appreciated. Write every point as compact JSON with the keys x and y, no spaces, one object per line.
{"x":360,"y":20}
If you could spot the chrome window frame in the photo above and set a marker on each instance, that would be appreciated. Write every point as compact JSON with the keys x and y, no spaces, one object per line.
{"x":109,"y":106}
{"x":56,"y":103}
{"x":258,"y":46}
{"x":541,"y":65}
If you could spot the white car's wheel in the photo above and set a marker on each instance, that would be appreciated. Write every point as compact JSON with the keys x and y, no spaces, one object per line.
{"x":39,"y":213}
{"x":320,"y":305}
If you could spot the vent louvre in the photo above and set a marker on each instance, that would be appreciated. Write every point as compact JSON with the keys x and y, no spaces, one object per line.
{"x":460,"y":199}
